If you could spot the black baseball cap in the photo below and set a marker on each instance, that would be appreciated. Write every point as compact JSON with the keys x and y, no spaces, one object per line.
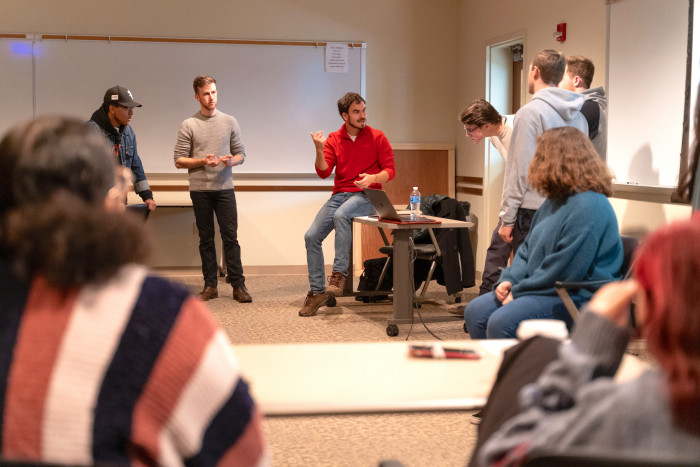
{"x":119,"y":95}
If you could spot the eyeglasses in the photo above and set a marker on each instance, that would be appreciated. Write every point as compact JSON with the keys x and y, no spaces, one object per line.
{"x":470,"y":131}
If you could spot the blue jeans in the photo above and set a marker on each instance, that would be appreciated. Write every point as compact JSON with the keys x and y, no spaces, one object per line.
{"x":223,"y":204}
{"x":336,"y":214}
{"x":486,"y":318}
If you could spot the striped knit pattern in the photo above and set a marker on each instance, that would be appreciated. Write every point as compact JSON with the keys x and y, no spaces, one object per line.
{"x":133,"y":371}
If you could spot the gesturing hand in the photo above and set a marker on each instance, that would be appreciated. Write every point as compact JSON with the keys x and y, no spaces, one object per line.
{"x":365,"y":181}
{"x":319,"y":140}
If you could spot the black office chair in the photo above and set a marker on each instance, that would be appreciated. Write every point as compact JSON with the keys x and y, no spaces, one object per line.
{"x":453,"y":268}
{"x":140,"y":210}
{"x":629,"y":244}
{"x":426,"y":251}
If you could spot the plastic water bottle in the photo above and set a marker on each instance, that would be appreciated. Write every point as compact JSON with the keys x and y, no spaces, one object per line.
{"x":415,"y":202}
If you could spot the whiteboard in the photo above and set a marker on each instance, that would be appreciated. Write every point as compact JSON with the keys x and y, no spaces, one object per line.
{"x":278,"y":93}
{"x":15,"y":82}
{"x":647,"y":53}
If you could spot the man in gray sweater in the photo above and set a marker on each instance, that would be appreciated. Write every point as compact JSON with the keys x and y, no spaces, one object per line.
{"x":208,"y":145}
{"x":550,"y":107}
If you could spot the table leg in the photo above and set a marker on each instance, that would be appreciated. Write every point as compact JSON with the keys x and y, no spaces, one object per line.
{"x":403,"y":288}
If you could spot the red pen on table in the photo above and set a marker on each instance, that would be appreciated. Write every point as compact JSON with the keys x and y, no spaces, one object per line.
{"x":438,"y":351}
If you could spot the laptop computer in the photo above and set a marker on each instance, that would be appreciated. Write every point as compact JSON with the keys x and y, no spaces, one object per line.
{"x":386,"y":212}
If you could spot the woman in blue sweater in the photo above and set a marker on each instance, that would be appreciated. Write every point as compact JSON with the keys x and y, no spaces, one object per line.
{"x":574,"y":237}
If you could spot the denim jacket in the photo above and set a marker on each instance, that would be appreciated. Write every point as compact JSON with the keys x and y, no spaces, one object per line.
{"x":124,"y":143}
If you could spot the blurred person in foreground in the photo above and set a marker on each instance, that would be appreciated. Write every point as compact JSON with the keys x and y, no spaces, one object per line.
{"x":101,"y":362}
{"x":577,"y":405}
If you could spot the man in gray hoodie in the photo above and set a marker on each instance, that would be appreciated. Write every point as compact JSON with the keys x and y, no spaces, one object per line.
{"x":578,"y":78}
{"x":550,"y":107}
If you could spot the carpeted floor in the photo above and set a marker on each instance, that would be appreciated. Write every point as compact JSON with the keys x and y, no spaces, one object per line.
{"x":415,"y":439}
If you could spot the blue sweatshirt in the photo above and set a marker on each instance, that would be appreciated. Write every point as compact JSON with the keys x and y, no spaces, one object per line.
{"x":571,"y":239}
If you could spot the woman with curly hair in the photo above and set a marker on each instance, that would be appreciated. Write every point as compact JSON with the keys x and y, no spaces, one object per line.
{"x":100,"y":361}
{"x":574,"y":237}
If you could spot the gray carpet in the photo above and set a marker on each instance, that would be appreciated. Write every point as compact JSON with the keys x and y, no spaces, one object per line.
{"x":416,"y":439}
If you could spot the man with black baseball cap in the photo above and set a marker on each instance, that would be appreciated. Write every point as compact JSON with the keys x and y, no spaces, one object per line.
{"x":113,"y":119}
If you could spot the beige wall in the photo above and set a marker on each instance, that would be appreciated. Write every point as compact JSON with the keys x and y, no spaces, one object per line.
{"x":425,"y":61}
{"x":411,"y":44}
{"x":410,"y":85}
{"x":483,"y":22}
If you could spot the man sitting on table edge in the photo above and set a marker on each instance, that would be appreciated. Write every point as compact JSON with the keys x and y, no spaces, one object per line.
{"x":362,"y":158}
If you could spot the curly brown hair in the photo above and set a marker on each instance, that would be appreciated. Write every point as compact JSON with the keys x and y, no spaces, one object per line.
{"x":565,"y":163}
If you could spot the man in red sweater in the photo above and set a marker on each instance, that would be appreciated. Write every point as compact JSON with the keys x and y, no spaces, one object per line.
{"x":362,"y":158}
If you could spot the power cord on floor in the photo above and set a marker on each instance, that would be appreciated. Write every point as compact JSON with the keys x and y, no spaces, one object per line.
{"x":411,"y":260}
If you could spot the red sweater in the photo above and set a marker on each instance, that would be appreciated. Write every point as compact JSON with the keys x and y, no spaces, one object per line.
{"x":370,"y":153}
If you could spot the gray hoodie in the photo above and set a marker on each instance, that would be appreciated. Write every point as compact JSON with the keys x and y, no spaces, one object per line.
{"x":600,"y":140}
{"x":549,"y":108}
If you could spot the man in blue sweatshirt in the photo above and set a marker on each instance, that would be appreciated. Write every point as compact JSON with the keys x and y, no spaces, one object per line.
{"x":550,"y":107}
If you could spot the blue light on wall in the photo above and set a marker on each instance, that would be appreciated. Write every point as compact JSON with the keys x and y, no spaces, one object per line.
{"x":21,"y":49}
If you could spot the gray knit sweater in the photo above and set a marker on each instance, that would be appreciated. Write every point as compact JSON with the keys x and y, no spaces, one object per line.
{"x":577,"y":403}
{"x":198,"y":136}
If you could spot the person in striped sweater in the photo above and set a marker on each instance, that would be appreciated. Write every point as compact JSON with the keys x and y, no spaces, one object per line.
{"x":100,"y":361}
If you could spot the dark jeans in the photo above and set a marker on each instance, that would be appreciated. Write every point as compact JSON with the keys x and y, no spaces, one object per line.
{"x":496,"y":258}
{"x":223,"y":204}
{"x":523,"y":221}
{"x":522,"y":364}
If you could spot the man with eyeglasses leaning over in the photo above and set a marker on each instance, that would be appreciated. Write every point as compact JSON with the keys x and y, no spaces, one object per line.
{"x":481,"y":120}
{"x":112,"y":119}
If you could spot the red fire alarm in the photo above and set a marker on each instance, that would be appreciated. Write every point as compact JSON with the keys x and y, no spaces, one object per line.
{"x":560,"y":35}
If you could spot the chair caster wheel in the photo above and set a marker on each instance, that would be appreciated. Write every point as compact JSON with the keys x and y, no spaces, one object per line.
{"x":392,"y":330}
{"x":331,"y":302}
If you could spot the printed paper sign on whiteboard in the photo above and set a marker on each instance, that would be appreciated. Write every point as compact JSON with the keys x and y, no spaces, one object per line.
{"x":336,"y":57}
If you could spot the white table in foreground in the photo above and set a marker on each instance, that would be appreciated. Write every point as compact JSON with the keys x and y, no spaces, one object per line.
{"x":303,"y":379}
{"x":403,"y":294}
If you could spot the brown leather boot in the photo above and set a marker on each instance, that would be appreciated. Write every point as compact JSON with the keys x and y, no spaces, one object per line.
{"x":241,"y":295}
{"x":336,"y":284}
{"x":313,"y":303}
{"x":208,"y":293}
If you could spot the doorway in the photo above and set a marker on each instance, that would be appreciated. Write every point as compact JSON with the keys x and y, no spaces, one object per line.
{"x":504,"y":90}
